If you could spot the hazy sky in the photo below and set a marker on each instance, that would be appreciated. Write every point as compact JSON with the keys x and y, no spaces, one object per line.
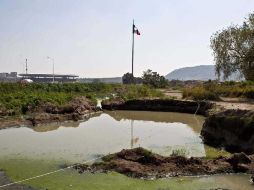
{"x":92,"y":38}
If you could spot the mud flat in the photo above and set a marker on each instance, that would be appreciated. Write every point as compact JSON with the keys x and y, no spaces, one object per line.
{"x":141,"y":163}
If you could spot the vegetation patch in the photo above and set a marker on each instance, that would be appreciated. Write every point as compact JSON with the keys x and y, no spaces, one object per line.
{"x":199,"y":93}
{"x":17,"y":99}
{"x":212,"y":90}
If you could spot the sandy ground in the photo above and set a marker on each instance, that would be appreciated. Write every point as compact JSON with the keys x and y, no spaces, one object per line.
{"x":172,"y":93}
{"x":236,"y":103}
{"x":227,"y":103}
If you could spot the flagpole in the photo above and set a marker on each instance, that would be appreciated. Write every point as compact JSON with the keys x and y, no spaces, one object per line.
{"x":132,"y":60}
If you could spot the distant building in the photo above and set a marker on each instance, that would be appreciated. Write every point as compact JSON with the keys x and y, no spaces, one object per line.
{"x":3,"y":75}
{"x":9,"y":77}
{"x":13,"y":74}
{"x":47,"y":78}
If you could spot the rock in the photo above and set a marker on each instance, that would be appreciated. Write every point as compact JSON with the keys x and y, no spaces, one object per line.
{"x":230,"y":129}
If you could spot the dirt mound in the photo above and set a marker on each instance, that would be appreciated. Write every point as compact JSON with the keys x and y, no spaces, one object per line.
{"x":78,"y":108}
{"x":79,"y":105}
{"x":140,"y":162}
{"x":231,"y":129}
{"x":74,"y":110}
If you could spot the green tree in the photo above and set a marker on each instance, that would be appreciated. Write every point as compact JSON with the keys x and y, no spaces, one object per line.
{"x":233,"y":49}
{"x":128,"y":78}
{"x":154,"y":79}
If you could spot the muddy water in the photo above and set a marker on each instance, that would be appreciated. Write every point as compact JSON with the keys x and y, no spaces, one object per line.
{"x":26,"y":152}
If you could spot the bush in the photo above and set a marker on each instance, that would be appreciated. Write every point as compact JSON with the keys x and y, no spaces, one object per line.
{"x":179,"y":152}
{"x":213,"y":90}
{"x":199,"y":93}
{"x":129,"y":92}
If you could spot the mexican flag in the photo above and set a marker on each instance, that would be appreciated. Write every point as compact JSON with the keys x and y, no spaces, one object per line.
{"x":135,"y":30}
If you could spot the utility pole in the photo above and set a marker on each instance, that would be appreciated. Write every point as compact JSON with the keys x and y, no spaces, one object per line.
{"x":26,"y":66}
{"x":53,"y":71}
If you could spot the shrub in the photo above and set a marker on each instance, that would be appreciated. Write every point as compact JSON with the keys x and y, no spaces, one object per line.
{"x":179,"y":152}
{"x":213,"y":90}
{"x":199,"y":93}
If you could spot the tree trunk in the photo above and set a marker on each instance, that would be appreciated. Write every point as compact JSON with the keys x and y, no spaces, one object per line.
{"x":249,"y":72}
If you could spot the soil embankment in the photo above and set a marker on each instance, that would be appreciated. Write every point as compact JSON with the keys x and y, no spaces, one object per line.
{"x":141,"y":163}
{"x":75,"y":110}
{"x":231,"y":129}
{"x":167,"y":105}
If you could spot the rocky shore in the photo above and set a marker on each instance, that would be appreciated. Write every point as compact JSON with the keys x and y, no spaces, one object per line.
{"x":141,"y":163}
{"x":76,"y":109}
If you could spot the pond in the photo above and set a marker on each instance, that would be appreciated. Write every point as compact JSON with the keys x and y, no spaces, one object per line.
{"x":27,"y":152}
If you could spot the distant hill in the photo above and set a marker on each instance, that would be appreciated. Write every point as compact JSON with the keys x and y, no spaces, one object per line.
{"x":201,"y":72}
{"x":103,"y":80}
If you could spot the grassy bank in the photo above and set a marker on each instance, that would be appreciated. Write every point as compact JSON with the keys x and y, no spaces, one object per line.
{"x":214,"y":90}
{"x":16,"y":98}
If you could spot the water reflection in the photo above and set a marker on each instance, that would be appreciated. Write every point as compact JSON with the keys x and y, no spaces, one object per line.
{"x":56,"y":125}
{"x":195,"y":122}
{"x":106,"y":133}
{"x":134,"y":140}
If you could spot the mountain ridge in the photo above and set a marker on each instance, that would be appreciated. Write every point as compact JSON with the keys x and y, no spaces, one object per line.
{"x":200,"y":72}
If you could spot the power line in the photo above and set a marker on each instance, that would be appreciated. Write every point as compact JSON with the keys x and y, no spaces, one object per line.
{"x":49,"y":173}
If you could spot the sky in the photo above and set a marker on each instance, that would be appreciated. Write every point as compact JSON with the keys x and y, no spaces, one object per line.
{"x":93,"y":38}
